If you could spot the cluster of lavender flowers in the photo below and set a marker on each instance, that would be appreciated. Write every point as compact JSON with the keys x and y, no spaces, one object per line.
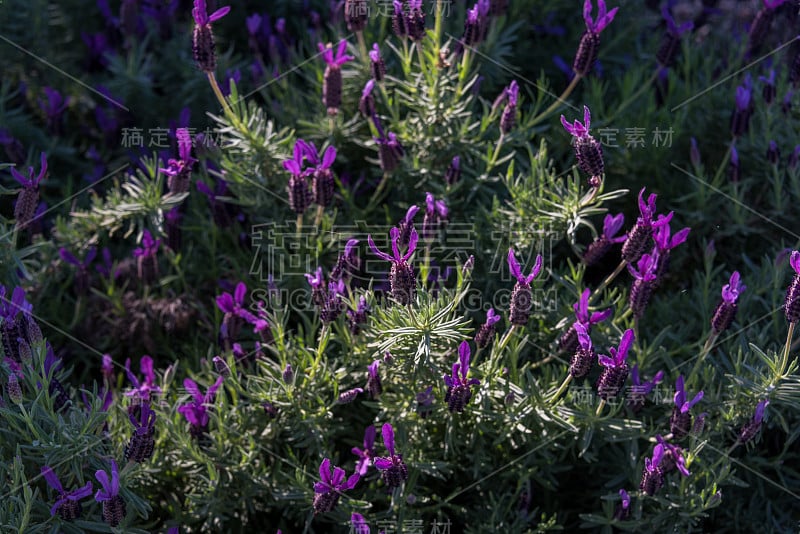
{"x":323,"y":181}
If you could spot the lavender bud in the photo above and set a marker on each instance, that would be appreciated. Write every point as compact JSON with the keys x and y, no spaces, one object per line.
{"x":14,"y":389}
{"x":322,"y":187}
{"x":680,"y":423}
{"x":26,"y":206}
{"x":589,"y":154}
{"x":25,"y":355}
{"x":453,"y":174}
{"x":773,"y":153}
{"x":356,"y":13}
{"x":485,"y":335}
{"x":377,"y":65}
{"x":58,"y":394}
{"x":468,"y":265}
{"x":349,"y":395}
{"x":637,"y":243}
{"x":759,"y":29}
{"x":769,"y":93}
{"x":457,"y":397}
{"x":221,"y":366}
{"x":651,"y":481}
{"x":31,"y":328}
{"x":10,"y":333}
{"x":595,"y":252}
{"x":509,"y":118}
{"x":568,"y":342}
{"x":403,"y":283}
{"x":694,"y":153}
{"x":399,"y":20}
{"x":416,"y":23}
{"x":723,"y":316}
{"x":270,"y":409}
{"x":332,"y":89}
{"x":288,"y":374}
{"x":666,"y":53}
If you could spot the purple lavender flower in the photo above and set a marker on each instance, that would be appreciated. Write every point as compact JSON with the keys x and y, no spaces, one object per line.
{"x":435,"y":213}
{"x":759,"y":28}
{"x":332,"y":304}
{"x":365,"y":455}
{"x":179,"y":171}
{"x":623,"y":510}
{"x":640,"y":390}
{"x":108,"y":371}
{"x":791,"y":306}
{"x":653,"y":476}
{"x":600,"y":246}
{"x":694,"y":153}
{"x":377,"y":65}
{"x":584,"y":355}
{"x":726,"y":309}
{"x":346,"y":397}
{"x":82,"y":276}
{"x":331,"y":486}
{"x":672,"y":458}
{"x":416,"y":20}
{"x":374,"y":386}
{"x":322,"y":178}
{"x":348,"y":263}
{"x":639,"y":237}
{"x":741,"y":115}
{"x":615,"y":370}
{"x":733,"y":173}
{"x":67,"y":505}
{"x":681,"y":420}
{"x":521,"y":296}
{"x":769,"y":92}
{"x":406,"y":225}
{"x":142,"y":444}
{"x":424,"y":402}
{"x":317,"y":283}
{"x":288,"y":374}
{"x":773,"y":153}
{"x":147,"y":262}
{"x":476,"y":24}
{"x":399,"y":19}
{"x":15,"y":325}
{"x":589,"y":46}
{"x":114,"y":507}
{"x":644,"y":283}
{"x":29,"y":195}
{"x":332,"y":78}
{"x":390,"y":151}
{"x":233,"y":306}
{"x":366,"y":104}
{"x":401,"y":277}
{"x":509,"y":117}
{"x":53,"y":108}
{"x":356,"y":13}
{"x":794,"y":158}
{"x":142,"y":390}
{"x":299,"y":194}
{"x":749,"y":430}
{"x":672,"y":39}
{"x":453,"y":173}
{"x":588,"y":150}
{"x":196,"y":411}
{"x":485,"y":334}
{"x":203,"y":47}
{"x":358,"y":317}
{"x":665,"y":242}
{"x":358,"y":525}
{"x":568,"y":342}
{"x":459,"y":388}
{"x":393,"y":469}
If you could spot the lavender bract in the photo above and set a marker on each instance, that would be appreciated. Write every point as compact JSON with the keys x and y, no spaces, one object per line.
{"x":203,"y":46}
{"x":615,"y":371}
{"x":643,"y":284}
{"x":365,"y":455}
{"x":672,"y":39}
{"x":401,"y":276}
{"x":486,"y":332}
{"x":393,"y":469}
{"x":179,"y":171}
{"x":331,"y":486}
{"x":584,"y":355}
{"x":143,"y":390}
{"x":509,"y":117}
{"x":146,"y":260}
{"x":588,"y":150}
{"x":82,"y":278}
{"x":750,"y":430}
{"x":459,"y":388}
{"x":196,"y":411}
{"x":67,"y":506}
{"x":142,"y":444}
{"x":665,"y":242}
{"x":726,"y":309}
{"x":114,"y":507}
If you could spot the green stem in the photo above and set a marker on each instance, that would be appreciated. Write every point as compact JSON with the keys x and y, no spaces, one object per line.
{"x":362,"y":47}
{"x":600,"y":407}
{"x":423,"y":65}
{"x":299,"y":224}
{"x":496,"y":153}
{"x":437,"y":26}
{"x":462,"y":72}
{"x":560,"y":100}
{"x":503,"y":342}
{"x":787,"y":347}
{"x":378,"y":191}
{"x":561,"y":389}
{"x":703,"y":353}
{"x":224,"y":102}
{"x":610,"y":278}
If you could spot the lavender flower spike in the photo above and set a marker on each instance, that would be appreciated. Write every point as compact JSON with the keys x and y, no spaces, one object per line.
{"x":749,"y":431}
{"x":672,"y":39}
{"x":521,"y":297}
{"x":644,"y":283}
{"x":144,"y":389}
{"x":142,"y":444}
{"x":393,"y":470}
{"x":374,"y":387}
{"x":331,"y":486}
{"x":791,"y":306}
{"x":638,"y":241}
{"x":615,"y":370}
{"x":377,"y":64}
{"x":196,"y":411}
{"x":509,"y":117}
{"x":741,"y":115}
{"x":653,"y":476}
{"x":203,"y":47}
{"x":29,"y":195}
{"x":588,"y":150}
{"x":584,"y":355}
{"x":589,"y":46}
{"x":639,"y":389}
{"x":681,"y":420}
{"x":600,"y":246}
{"x":665,"y":242}
{"x":459,"y":388}
{"x":358,"y":525}
{"x":332,"y":79}
{"x":623,"y":510}
{"x":67,"y":505}
{"x":114,"y":507}
{"x":726,"y":309}
{"x":401,"y":277}
{"x":568,"y":342}
{"x":179,"y":171}
{"x":486,"y":332}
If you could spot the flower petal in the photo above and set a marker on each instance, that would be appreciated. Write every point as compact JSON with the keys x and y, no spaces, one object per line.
{"x":388,"y":438}
{"x":218,"y":14}
{"x":51,"y":478}
{"x":325,"y":470}
{"x":376,"y":251}
{"x":382,"y":463}
{"x":513,"y":265}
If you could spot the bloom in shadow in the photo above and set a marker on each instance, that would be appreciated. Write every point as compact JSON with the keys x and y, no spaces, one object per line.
{"x":459,"y":388}
{"x":331,"y":486}
{"x":393,"y":469}
{"x":67,"y":506}
{"x":114,"y":507}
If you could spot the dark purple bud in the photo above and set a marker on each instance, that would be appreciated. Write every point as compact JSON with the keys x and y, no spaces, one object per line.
{"x":773,"y":153}
{"x":584,"y":355}
{"x":791,"y":306}
{"x":694,"y":153}
{"x":366,"y":105}
{"x":653,"y":476}
{"x":399,"y":20}
{"x":509,"y":117}
{"x":759,"y":29}
{"x":769,"y":91}
{"x":453,"y":174}
{"x":349,"y":396}
{"x":377,"y":65}
{"x":416,"y":20}
{"x":374,"y":386}
{"x":356,"y":13}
